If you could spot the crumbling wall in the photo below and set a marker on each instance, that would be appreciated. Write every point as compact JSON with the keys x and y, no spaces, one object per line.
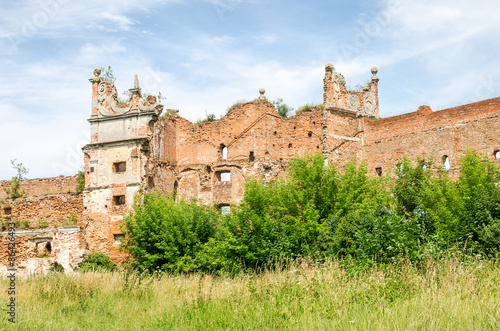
{"x":43,"y":186}
{"x":39,"y":250}
{"x":259,"y":143}
{"x":449,"y":132}
{"x":40,"y":216}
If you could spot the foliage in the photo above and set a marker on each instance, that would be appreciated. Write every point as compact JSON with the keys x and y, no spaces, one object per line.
{"x":235,"y":105}
{"x":56,"y":267}
{"x":308,"y":107}
{"x":80,"y":180}
{"x":26,"y":223}
{"x":14,"y":191}
{"x":71,"y":220}
{"x":43,"y":223}
{"x":168,"y":235}
{"x":97,"y":261}
{"x":169,"y":112}
{"x":448,"y":294}
{"x":107,"y":75}
{"x":282,"y":108}
{"x":319,"y":212}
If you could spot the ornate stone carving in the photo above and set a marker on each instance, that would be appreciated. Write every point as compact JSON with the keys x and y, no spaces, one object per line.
{"x":369,"y":105}
{"x":353,"y":102}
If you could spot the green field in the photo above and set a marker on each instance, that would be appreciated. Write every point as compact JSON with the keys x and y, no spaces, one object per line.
{"x":447,"y":295}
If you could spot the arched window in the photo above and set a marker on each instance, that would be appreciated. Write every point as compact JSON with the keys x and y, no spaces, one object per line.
{"x":446,"y":162}
{"x":223,"y":150}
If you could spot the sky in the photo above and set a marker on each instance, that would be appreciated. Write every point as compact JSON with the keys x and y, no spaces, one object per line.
{"x":204,"y":55}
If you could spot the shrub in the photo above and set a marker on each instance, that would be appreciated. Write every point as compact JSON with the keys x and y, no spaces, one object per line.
{"x":97,"y":261}
{"x":164,"y":234}
{"x":43,"y":223}
{"x":71,"y":220}
{"x":308,"y":107}
{"x":235,"y":105}
{"x":56,"y":267}
{"x":80,"y":180}
{"x":14,"y":191}
{"x":282,"y":108}
{"x":26,"y":223}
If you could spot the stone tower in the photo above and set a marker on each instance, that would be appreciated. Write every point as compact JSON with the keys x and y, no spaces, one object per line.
{"x":115,"y":160}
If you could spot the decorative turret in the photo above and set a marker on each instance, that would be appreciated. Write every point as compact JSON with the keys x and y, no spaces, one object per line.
{"x":116,"y":158}
{"x":364,"y":101}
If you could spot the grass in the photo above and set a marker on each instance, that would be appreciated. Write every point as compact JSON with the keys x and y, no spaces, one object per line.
{"x":445,"y":295}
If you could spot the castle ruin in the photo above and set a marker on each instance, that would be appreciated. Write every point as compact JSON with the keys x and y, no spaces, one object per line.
{"x":132,"y":148}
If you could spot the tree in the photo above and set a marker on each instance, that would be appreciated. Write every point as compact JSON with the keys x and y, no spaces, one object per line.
{"x":282,"y":108}
{"x":15,"y":187}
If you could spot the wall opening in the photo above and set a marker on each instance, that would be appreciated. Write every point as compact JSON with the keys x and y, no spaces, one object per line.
{"x":119,"y":167}
{"x":496,"y":154}
{"x":223,"y":176}
{"x":290,"y":145}
{"x":251,"y":157}
{"x":118,"y":238}
{"x":378,"y":171}
{"x":446,"y":162}
{"x":151,"y":182}
{"x":275,"y":132}
{"x":225,"y":209}
{"x":223,"y":151}
{"x":119,"y":200}
{"x":176,"y":187}
{"x":309,"y":134}
{"x":7,"y":211}
{"x":91,"y":169}
{"x":48,"y":247}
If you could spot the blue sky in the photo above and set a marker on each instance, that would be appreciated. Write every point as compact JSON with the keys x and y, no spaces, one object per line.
{"x":203,"y":55}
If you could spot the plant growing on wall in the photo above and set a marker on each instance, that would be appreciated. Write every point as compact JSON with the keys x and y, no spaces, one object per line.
{"x":108,"y":75}
{"x":282,"y":108}
{"x":14,"y":191}
{"x":80,"y":180}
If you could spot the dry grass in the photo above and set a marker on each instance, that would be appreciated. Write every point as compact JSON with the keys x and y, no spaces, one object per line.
{"x":440,"y":296}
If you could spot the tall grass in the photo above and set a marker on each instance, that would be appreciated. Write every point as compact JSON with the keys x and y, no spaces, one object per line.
{"x":438,"y":295}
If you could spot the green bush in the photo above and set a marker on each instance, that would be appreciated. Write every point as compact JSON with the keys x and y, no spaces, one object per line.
{"x":80,"y":179}
{"x":282,"y":108}
{"x":43,"y":223}
{"x":168,"y":235}
{"x":56,"y":267}
{"x":72,"y":220}
{"x":318,"y":212}
{"x":97,"y":261}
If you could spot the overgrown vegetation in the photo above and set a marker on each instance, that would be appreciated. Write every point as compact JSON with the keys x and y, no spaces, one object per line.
{"x":282,"y":108}
{"x":43,"y":223}
{"x":97,"y":261}
{"x":14,"y":191}
{"x":169,"y":112}
{"x":308,"y":107}
{"x":80,"y":182}
{"x":452,"y":294}
{"x":235,"y":105}
{"x":318,"y":213}
{"x":107,"y":75}
{"x":71,"y":220}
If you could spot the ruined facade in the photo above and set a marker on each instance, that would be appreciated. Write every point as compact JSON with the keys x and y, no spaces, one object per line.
{"x":133,"y":148}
